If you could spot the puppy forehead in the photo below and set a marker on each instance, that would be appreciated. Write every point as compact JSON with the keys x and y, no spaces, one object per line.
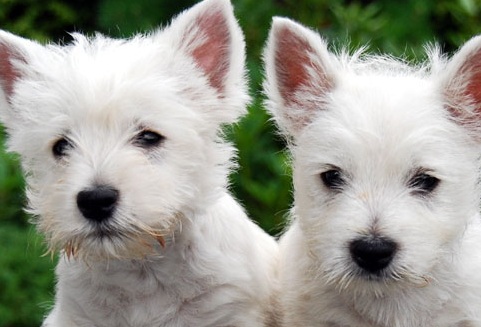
{"x":105,"y":99}
{"x":104,"y":83}
{"x":108,"y":111}
{"x":377,"y":102}
{"x":383,"y":119}
{"x":100,"y":55}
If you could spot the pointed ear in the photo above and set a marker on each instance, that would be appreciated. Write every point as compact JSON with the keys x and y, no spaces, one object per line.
{"x":13,"y":60}
{"x":209,"y":33}
{"x":11,"y":55}
{"x":299,"y":74}
{"x":462,"y":83}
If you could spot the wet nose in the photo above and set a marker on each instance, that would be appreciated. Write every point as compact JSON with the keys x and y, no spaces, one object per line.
{"x":97,"y":203}
{"x":372,"y":254}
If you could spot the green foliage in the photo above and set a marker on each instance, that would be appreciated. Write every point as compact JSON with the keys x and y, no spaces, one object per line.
{"x":394,"y":27}
{"x":11,"y":189}
{"x":262,"y":182}
{"x":123,"y":18}
{"x":26,"y":283}
{"x":44,"y":20}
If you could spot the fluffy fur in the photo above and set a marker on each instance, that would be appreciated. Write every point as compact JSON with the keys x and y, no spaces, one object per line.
{"x":385,"y":228}
{"x":142,"y":117}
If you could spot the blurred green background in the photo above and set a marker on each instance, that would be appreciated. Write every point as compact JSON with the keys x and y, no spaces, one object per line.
{"x":262,"y":183}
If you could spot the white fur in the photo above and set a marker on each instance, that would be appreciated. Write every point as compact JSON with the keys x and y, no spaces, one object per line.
{"x":379,"y":121}
{"x":216,"y":268}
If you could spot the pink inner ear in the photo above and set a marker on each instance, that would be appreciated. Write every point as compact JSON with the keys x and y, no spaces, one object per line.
{"x":473,"y":88}
{"x":291,"y":57}
{"x":8,"y":74}
{"x":213,"y":55}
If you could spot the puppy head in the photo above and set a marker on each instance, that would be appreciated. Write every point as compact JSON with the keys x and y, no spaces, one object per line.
{"x":118,"y":138}
{"x":385,"y":156}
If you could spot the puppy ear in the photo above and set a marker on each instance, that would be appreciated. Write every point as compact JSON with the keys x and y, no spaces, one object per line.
{"x":209,"y":33}
{"x":14,"y":54}
{"x":11,"y":55}
{"x":299,"y":74}
{"x":462,"y":83}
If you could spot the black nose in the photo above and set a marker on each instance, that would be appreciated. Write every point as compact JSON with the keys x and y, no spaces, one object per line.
{"x":97,"y":203}
{"x":372,"y":254}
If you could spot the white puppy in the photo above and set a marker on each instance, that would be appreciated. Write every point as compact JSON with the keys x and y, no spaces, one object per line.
{"x":385,"y":226}
{"x":127,"y":172}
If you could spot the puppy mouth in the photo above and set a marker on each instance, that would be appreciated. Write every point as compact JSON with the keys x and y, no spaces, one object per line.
{"x":389,"y":278}
{"x":105,"y":231}
{"x":105,"y":241}
{"x":378,"y":276}
{"x":347,"y":277}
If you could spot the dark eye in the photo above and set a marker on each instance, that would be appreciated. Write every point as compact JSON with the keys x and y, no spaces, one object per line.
{"x":423,"y":183}
{"x":333,"y":179}
{"x":148,"y":139}
{"x":61,"y":147}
